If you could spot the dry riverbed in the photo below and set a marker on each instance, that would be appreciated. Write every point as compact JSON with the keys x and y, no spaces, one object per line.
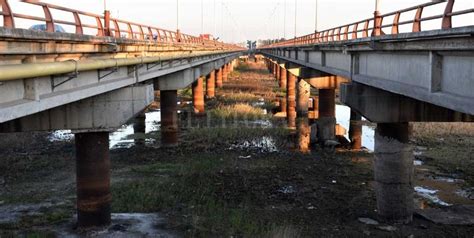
{"x":234,"y":174}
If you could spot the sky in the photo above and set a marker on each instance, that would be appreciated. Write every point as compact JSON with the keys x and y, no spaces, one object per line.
{"x":241,"y":20}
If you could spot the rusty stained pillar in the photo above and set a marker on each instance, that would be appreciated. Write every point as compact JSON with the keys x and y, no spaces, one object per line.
{"x":225,"y":73}
{"x":219,"y":77}
{"x":277,"y":75}
{"x":211,"y":85}
{"x":291,"y":100}
{"x":283,"y":77}
{"x":274,"y":68}
{"x":327,"y":115}
{"x":304,"y":135}
{"x":393,"y":170}
{"x":302,"y":99}
{"x":198,"y":96}
{"x":93,"y":179}
{"x":169,"y":118}
{"x":139,"y":127}
{"x":283,"y":104}
{"x":355,"y":130}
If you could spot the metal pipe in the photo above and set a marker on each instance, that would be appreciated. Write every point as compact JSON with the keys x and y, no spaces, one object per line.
{"x":22,"y":71}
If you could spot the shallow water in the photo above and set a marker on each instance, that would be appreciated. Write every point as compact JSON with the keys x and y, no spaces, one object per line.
{"x":119,"y":138}
{"x":343,"y":117}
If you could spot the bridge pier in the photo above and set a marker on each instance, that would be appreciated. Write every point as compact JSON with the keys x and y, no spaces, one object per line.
{"x":169,"y":118}
{"x":283,"y":77}
{"x":211,"y":85}
{"x":225,"y":73}
{"x":304,"y":90}
{"x":314,"y":112}
{"x":139,"y":126}
{"x":198,"y":96}
{"x":327,"y":115}
{"x":291,"y":100}
{"x":219,"y":77}
{"x":278,"y":73}
{"x":355,"y":131}
{"x":93,"y":179}
{"x":283,"y":104}
{"x":393,"y":168}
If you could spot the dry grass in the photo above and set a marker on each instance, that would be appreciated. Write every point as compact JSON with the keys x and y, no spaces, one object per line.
{"x":428,"y":129}
{"x":238,"y":111}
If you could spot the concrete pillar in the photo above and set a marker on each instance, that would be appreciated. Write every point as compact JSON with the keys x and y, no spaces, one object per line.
{"x":198,"y":96}
{"x":225,"y":73}
{"x":304,"y":135}
{"x":291,"y":100}
{"x":169,"y":118}
{"x":393,"y":169}
{"x":211,"y":85}
{"x":303,"y":90}
{"x":327,"y":115}
{"x":139,"y":126}
{"x":283,"y":77}
{"x":274,"y":68}
{"x":219,"y":77}
{"x":283,"y":104}
{"x":277,"y":74}
{"x":93,"y":179}
{"x":355,"y":131}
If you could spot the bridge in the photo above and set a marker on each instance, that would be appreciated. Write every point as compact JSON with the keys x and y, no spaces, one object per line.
{"x":93,"y":84}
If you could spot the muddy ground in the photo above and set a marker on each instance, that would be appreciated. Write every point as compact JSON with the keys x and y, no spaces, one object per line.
{"x":235,"y":174}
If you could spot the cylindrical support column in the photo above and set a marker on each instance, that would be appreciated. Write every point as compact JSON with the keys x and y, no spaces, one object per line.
{"x":274,"y":68}
{"x":93,"y":179}
{"x":139,"y":127}
{"x":302,"y":98}
{"x":355,"y":130}
{"x":198,"y":96}
{"x":169,"y":118}
{"x":283,"y":104}
{"x":225,"y":73}
{"x":304,"y":135}
{"x":283,"y":77}
{"x":327,"y":115}
{"x":219,"y":77}
{"x":393,"y":169}
{"x":278,"y":69}
{"x":291,"y":100}
{"x":211,"y":85}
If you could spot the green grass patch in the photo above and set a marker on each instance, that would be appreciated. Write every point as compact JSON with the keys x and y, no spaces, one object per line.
{"x":239,"y":111}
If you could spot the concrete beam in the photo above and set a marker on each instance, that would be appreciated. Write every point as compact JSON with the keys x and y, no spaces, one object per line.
{"x":105,"y":112}
{"x":179,"y":80}
{"x":326,"y":82}
{"x":385,"y":107}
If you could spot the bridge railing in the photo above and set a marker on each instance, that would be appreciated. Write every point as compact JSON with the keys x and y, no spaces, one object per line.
{"x":374,"y":26}
{"x":105,"y":26}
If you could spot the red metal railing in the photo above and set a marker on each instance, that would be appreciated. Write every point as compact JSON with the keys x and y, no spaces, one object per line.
{"x":107,"y":26}
{"x":373,"y":26}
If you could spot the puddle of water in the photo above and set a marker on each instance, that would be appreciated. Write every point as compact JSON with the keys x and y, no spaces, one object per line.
{"x":288,"y":189}
{"x":343,"y":117}
{"x":14,"y":213}
{"x":120,"y":137}
{"x":262,"y":145}
{"x":430,"y":195}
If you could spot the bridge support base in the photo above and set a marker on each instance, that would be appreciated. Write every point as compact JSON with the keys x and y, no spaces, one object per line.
{"x":211,"y":85}
{"x":93,"y":179}
{"x":327,"y":115}
{"x":198,"y":96}
{"x":393,"y":168}
{"x":304,"y":135}
{"x":355,"y":130}
{"x":139,"y":126}
{"x":291,"y":101}
{"x":169,"y":118}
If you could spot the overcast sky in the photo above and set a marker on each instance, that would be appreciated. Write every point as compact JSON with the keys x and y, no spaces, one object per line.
{"x":240,"y":20}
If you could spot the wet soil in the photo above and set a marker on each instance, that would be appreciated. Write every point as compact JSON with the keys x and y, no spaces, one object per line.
{"x":227,"y":178}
